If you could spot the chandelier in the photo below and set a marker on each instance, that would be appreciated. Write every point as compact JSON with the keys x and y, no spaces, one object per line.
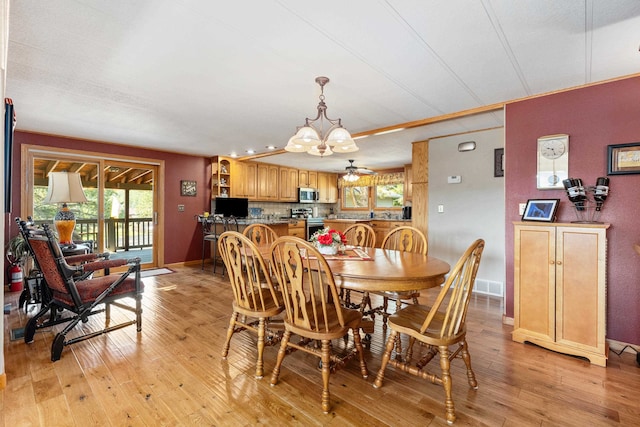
{"x":312,"y":137}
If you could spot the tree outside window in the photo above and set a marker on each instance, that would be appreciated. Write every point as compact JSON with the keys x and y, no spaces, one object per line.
{"x":389,"y":196}
{"x":355,"y":197}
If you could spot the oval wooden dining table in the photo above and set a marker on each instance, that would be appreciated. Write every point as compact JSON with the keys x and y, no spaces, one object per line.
{"x":389,"y":270}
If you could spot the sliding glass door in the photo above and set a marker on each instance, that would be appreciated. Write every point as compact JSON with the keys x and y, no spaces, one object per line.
{"x":120,"y":215}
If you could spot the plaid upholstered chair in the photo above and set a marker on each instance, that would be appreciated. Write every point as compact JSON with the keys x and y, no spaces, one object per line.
{"x":73,"y":300}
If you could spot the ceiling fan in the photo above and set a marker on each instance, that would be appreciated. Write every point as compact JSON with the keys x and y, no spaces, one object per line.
{"x":354,"y":172}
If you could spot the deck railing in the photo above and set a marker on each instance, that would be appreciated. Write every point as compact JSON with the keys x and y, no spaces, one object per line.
{"x":119,"y":234}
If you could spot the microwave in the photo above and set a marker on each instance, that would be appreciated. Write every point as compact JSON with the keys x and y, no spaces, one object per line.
{"x":308,"y":195}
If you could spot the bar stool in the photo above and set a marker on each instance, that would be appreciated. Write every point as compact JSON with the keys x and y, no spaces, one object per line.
{"x":212,"y":227}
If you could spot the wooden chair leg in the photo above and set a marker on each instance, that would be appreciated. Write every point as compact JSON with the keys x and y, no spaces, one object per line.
{"x":232,"y":325}
{"x":471,"y":376}
{"x":281,"y":353}
{"x":385,"y":359}
{"x":326,"y":371}
{"x":445,"y":366}
{"x":259,"y":365}
{"x":358,"y":343}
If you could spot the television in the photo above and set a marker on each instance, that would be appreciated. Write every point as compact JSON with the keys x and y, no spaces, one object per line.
{"x":232,"y":206}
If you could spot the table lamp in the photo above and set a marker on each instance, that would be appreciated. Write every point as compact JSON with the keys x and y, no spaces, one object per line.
{"x":65,"y":187}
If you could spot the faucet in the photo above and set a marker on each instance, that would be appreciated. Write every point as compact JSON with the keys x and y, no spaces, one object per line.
{"x":387,"y":214}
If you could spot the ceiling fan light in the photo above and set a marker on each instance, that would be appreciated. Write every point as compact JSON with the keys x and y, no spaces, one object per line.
{"x":351,"y":177}
{"x":339,"y":136}
{"x":346,"y":148}
{"x":307,"y":136}
{"x":292,"y":147}
{"x":321,"y":150}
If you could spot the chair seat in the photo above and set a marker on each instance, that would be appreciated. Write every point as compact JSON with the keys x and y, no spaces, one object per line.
{"x":90,"y":289}
{"x":352,"y":319}
{"x":248,"y":308}
{"x":409,"y":321}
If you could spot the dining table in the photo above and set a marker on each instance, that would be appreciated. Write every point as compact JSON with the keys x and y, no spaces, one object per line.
{"x":378,"y":270}
{"x":387,"y":270}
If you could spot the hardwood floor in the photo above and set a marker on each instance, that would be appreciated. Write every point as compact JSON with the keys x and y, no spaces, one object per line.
{"x":172,"y":374}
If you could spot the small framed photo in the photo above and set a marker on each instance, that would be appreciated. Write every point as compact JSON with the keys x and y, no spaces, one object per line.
{"x":543,"y":210}
{"x":498,"y":162}
{"x":623,"y":159}
{"x":188,"y":188}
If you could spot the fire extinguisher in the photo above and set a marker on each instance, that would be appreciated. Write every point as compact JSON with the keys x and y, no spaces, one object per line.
{"x":15,"y":273}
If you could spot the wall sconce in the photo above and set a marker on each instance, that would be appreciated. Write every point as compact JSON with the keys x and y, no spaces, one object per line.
{"x":467,"y":146}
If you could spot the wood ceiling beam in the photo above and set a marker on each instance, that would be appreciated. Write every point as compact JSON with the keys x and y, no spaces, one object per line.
{"x":402,"y":126}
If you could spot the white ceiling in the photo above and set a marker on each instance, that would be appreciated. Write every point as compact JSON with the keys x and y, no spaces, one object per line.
{"x":212,"y":77}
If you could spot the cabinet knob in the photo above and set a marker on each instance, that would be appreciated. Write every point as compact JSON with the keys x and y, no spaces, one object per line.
{"x":552,"y":262}
{"x":558,"y":262}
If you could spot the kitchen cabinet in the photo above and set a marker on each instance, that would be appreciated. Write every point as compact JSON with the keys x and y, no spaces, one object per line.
{"x":408,"y":183}
{"x":383,"y":227}
{"x":244,"y":177}
{"x":288,"y":187}
{"x":268,"y":176}
{"x":328,"y":187}
{"x":308,"y":179}
{"x":560,"y":288}
{"x":220,"y":177}
{"x":298,"y":228}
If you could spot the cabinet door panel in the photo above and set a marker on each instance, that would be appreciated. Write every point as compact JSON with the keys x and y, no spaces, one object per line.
{"x":535,"y":279}
{"x":577,"y":290}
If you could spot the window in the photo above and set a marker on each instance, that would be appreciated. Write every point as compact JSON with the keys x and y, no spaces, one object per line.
{"x":355,"y":197}
{"x":382,"y":191}
{"x":389,"y":196}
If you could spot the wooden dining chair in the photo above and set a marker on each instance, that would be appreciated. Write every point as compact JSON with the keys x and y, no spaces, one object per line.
{"x":255,"y":298}
{"x":362,"y":235}
{"x":406,"y":239}
{"x":260,"y":234}
{"x":312,"y":309}
{"x":438,"y":327}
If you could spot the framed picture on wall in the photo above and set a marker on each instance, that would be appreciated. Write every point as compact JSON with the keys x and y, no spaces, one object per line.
{"x":543,"y":210}
{"x":623,"y":159}
{"x":188,"y":188}
{"x":498,"y":162}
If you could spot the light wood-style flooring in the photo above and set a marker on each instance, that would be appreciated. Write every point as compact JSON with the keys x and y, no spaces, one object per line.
{"x":172,"y":374}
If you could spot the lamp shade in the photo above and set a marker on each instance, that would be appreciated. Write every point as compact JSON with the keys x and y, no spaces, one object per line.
{"x":65,"y":187}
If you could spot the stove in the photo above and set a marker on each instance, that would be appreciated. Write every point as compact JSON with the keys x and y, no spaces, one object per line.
{"x":301,"y":212}
{"x":313,"y":223}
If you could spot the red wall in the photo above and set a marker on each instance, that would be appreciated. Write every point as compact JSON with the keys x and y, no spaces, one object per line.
{"x":182,"y":236}
{"x":594,"y":117}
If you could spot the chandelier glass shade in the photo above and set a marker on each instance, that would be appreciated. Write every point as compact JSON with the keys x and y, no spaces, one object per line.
{"x":351,"y":177}
{"x":312,"y":137}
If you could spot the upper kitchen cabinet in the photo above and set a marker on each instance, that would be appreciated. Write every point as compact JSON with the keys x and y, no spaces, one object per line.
{"x":408,"y":180}
{"x":244,"y":179}
{"x":268,"y":176}
{"x":220,"y":177}
{"x":288,"y":184}
{"x":328,"y":187}
{"x":308,"y":179}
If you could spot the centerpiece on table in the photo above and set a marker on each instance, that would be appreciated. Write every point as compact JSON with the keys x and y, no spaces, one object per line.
{"x":328,"y":241}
